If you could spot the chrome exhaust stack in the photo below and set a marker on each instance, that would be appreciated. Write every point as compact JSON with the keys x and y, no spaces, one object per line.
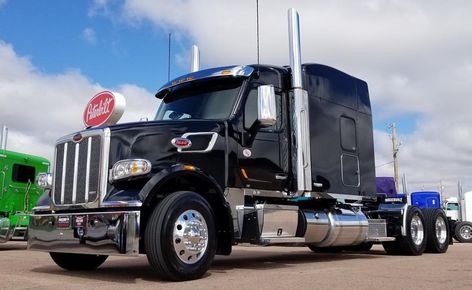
{"x":300,"y":114}
{"x":3,"y":142}
{"x":195,"y":62}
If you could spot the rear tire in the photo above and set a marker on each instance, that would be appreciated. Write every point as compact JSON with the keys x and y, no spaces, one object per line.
{"x":180,"y":237}
{"x":437,"y":230}
{"x":414,"y":243}
{"x":78,"y":262}
{"x":463,"y":232}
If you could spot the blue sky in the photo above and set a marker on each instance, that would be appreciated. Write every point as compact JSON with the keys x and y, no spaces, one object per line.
{"x":59,"y":36}
{"x":64,"y":35}
{"x":415,"y":56}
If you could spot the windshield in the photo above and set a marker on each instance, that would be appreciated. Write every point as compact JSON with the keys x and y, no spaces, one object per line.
{"x":452,"y":206}
{"x":209,"y":99}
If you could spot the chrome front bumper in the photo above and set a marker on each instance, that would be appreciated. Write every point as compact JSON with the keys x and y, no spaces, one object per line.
{"x":104,"y":233}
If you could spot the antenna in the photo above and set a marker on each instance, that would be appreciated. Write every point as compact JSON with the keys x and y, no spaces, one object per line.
{"x":257,"y":31}
{"x":168,"y":61}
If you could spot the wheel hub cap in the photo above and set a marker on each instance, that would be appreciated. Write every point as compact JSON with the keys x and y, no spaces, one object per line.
{"x":190,"y":236}
{"x":417,"y":231}
{"x":466,"y":232}
{"x":441,"y":230}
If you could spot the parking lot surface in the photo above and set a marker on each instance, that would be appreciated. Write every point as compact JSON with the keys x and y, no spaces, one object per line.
{"x":251,"y":268}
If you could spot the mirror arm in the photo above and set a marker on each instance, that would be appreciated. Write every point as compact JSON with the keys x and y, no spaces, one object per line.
{"x":249,"y":135}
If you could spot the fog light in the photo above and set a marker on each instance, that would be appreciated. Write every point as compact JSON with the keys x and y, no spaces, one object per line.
{"x":130,"y":167}
{"x":44,"y":180}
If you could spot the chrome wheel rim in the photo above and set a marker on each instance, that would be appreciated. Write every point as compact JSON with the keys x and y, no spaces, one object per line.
{"x":190,"y":237}
{"x":417,"y":230}
{"x":466,"y":232}
{"x":441,"y":230}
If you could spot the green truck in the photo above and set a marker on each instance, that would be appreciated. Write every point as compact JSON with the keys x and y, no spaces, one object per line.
{"x":18,"y":192}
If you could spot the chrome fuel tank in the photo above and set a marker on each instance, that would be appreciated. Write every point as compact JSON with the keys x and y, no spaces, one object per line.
{"x":338,"y":227}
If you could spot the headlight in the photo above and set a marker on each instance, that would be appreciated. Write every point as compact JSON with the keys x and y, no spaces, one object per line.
{"x":130,"y":167}
{"x":44,"y":180}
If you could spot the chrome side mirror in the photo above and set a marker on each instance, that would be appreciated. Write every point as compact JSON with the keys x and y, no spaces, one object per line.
{"x":266,"y":111}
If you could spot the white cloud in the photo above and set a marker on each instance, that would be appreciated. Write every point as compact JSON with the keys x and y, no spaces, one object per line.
{"x":2,"y":2}
{"x":98,"y":7}
{"x":39,"y":108}
{"x":415,"y":55}
{"x":89,"y":35}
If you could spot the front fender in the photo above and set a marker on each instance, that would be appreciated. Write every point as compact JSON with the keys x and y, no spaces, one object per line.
{"x":160,"y":179}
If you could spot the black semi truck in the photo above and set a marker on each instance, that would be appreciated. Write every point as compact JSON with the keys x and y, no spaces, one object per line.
{"x":252,"y":154}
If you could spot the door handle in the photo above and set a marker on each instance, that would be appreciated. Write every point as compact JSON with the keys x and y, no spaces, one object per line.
{"x":281,"y":176}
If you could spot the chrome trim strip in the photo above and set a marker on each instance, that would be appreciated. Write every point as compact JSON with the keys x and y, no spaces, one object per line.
{"x":87,"y":172}
{"x":41,"y":207}
{"x":210,"y":146}
{"x":64,"y":166}
{"x":105,"y":156}
{"x":405,"y":212}
{"x":76,"y":172}
{"x":346,"y":196}
{"x":119,"y":203}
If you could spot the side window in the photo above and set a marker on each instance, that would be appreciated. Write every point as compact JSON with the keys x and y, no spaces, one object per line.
{"x":23,"y":173}
{"x":250,"y":111}
{"x":348,"y":134}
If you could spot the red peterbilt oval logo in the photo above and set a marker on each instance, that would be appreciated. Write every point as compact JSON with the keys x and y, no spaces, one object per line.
{"x":105,"y":108}
{"x":181,"y":143}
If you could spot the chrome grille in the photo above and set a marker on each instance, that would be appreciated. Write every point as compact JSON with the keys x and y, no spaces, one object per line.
{"x":77,"y":170}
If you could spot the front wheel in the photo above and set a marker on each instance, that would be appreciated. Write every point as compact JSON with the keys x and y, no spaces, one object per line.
{"x":78,"y":262}
{"x":464,"y":232}
{"x":180,"y":238}
{"x":414,"y":243}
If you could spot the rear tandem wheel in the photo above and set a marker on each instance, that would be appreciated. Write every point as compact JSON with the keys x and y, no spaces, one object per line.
{"x":414,"y":243}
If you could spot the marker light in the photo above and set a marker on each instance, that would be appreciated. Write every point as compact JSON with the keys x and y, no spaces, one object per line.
{"x":44,"y":180}
{"x":130,"y":167}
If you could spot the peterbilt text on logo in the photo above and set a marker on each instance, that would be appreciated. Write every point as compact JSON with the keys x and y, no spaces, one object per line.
{"x":97,"y":110}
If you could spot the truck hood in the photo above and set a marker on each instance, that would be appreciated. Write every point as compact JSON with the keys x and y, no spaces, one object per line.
{"x":152,"y":140}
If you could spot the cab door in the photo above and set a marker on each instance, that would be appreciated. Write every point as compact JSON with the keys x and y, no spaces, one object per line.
{"x":264,"y":161}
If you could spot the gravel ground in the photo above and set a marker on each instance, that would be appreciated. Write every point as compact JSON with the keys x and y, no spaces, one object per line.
{"x":252,"y":268}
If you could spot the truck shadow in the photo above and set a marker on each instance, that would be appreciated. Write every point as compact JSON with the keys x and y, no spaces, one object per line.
{"x":273,"y":260}
{"x":13,"y":246}
{"x":128,"y":270}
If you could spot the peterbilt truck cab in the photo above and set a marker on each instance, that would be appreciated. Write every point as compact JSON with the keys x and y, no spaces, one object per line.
{"x":252,"y":154}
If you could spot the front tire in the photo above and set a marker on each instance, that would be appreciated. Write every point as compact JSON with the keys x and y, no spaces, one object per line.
{"x":463,"y":232}
{"x":78,"y":262}
{"x":414,"y":243}
{"x":437,"y":230}
{"x":180,"y":238}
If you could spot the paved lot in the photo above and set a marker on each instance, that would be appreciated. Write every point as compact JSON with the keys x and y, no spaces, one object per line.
{"x":252,"y":268}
